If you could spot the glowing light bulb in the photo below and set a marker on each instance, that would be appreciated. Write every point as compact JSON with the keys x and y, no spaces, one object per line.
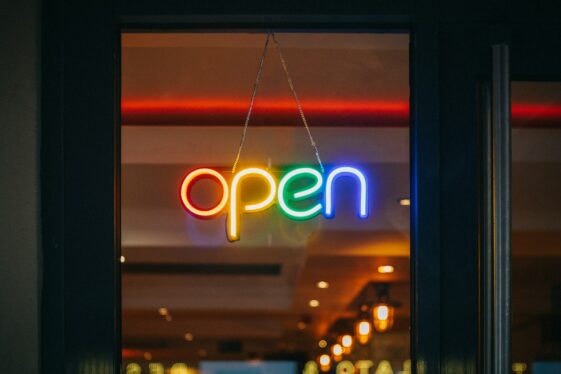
{"x":363,"y":331}
{"x":364,"y":328}
{"x":347,"y":343}
{"x":404,"y":202}
{"x":382,"y":312}
{"x":337,"y":352}
{"x":383,"y":315}
{"x":324,"y":362}
{"x":322,"y":284}
{"x":386,"y":269}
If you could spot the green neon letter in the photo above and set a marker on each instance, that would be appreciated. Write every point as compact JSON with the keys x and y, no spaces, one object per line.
{"x":284,"y":196}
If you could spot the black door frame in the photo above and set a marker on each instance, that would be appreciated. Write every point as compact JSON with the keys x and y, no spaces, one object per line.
{"x":80,"y":168}
{"x":523,"y":53}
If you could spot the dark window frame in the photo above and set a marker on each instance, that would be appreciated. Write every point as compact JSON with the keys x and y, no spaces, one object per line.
{"x":81,"y":281}
{"x":80,"y":315}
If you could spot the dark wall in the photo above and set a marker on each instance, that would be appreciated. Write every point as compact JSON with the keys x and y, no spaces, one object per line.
{"x":19,"y":186}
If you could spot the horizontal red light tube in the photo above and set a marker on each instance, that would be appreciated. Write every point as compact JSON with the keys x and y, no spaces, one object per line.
{"x":269,"y":112}
{"x":265,"y":112}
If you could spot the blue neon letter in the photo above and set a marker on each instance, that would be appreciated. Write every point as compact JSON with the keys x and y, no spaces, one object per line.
{"x":345,"y":171}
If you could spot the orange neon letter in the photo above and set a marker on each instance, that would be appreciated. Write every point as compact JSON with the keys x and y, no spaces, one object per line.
{"x":193,"y":177}
{"x":233,"y":229}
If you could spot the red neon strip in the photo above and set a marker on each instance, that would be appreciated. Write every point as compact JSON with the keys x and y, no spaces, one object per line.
{"x":266,"y":112}
{"x":268,"y":104}
{"x":284,"y":112}
{"x":536,"y":110}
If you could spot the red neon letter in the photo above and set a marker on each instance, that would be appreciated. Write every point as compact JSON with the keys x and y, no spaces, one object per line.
{"x":193,"y":177}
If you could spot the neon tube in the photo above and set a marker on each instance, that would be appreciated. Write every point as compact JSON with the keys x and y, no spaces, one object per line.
{"x":233,"y":229}
{"x":193,"y":177}
{"x":284,"y":196}
{"x":345,"y":171}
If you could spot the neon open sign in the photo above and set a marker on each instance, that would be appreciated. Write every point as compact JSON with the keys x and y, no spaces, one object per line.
{"x":282,"y":194}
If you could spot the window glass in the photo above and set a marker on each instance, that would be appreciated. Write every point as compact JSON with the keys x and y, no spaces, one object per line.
{"x":292,"y":293}
{"x":536,"y":227}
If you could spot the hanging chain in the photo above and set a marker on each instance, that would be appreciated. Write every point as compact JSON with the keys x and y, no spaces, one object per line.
{"x":294,"y":94}
{"x":248,"y":116}
{"x":298,"y":104}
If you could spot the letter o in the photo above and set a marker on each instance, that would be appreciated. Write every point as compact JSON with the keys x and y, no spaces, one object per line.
{"x":193,"y":177}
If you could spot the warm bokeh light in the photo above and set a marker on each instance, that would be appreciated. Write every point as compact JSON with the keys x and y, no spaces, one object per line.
{"x":314,"y":303}
{"x":386,"y":269}
{"x":347,"y":343}
{"x":179,"y":368}
{"x":383,"y":317}
{"x":147,"y":356}
{"x":363,"y":331}
{"x":322,"y":343}
{"x":404,"y":202}
{"x":163,"y":311}
{"x":364,"y":328}
{"x":324,"y":362}
{"x":122,"y":259}
{"x":311,"y":367}
{"x":133,"y":368}
{"x":156,"y":368}
{"x":322,"y":284}
{"x":301,"y":325}
{"x":189,"y":337}
{"x":337,"y":352}
{"x":382,"y":312}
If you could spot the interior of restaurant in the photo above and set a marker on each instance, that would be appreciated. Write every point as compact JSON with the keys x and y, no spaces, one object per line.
{"x":300,"y":296}
{"x":289,"y":290}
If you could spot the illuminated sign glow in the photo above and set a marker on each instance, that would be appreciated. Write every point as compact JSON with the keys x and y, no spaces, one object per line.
{"x":233,"y":217}
{"x":193,"y":177}
{"x":285,"y":196}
